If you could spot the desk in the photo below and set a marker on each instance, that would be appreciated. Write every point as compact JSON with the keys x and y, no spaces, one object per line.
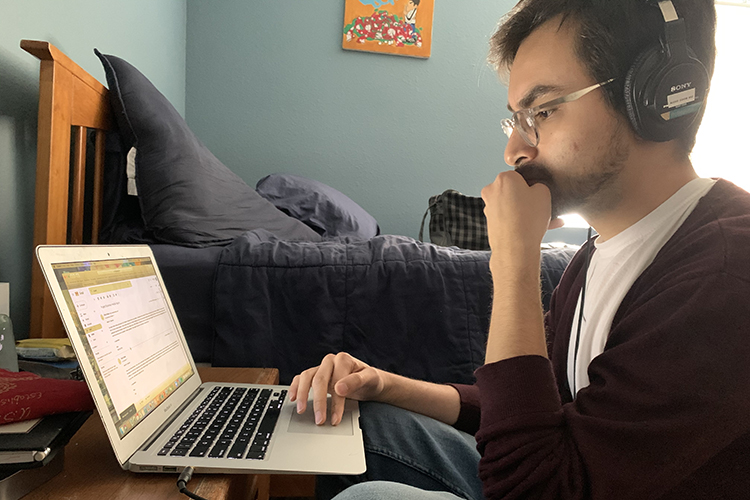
{"x":91,"y":470}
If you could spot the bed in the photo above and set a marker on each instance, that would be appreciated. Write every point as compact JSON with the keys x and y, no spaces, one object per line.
{"x":277,"y":275}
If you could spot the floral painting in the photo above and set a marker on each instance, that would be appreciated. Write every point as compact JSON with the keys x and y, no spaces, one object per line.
{"x":400,"y":27}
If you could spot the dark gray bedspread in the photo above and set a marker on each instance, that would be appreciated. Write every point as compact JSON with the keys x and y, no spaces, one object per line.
{"x":189,"y":274}
{"x":409,"y":307}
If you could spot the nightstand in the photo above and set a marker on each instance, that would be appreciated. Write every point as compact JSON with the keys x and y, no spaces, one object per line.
{"x":91,"y":470}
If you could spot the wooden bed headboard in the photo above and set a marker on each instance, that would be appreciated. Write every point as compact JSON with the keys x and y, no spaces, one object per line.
{"x":72,"y":105}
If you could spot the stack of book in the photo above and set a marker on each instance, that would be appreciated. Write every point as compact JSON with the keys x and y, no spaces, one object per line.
{"x":51,"y":358}
{"x":32,"y":451}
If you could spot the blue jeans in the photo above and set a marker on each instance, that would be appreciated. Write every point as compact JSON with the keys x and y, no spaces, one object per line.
{"x":409,"y":456}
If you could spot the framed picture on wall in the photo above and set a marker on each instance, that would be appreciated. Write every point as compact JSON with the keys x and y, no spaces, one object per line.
{"x":398,"y":27}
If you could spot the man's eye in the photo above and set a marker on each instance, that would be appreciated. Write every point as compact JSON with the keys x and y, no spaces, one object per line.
{"x":543,"y":115}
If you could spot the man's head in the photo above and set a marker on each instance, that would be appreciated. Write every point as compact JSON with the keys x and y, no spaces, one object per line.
{"x":588,"y":154}
{"x":610,"y":36}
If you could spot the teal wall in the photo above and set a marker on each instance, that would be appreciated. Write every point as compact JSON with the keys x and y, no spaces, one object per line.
{"x":149,"y":34}
{"x":269,"y":89}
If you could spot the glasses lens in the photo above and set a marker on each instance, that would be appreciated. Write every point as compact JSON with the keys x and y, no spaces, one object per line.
{"x":507,"y":126}
{"x":525,"y":126}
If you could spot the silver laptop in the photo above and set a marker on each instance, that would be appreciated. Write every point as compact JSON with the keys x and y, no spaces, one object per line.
{"x":158,"y":414}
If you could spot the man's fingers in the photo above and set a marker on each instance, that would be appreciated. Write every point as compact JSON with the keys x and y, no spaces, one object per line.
{"x":302,"y":388}
{"x":320,"y":383}
{"x":353,"y":386}
{"x":293,"y":388}
{"x":349,"y":384}
{"x":337,"y":408}
{"x":343,"y":366}
{"x":323,"y":380}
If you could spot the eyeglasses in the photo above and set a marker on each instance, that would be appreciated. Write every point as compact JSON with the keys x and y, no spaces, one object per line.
{"x":523,"y":119}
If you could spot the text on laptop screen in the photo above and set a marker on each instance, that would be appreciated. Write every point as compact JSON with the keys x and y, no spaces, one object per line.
{"x":130,"y":339}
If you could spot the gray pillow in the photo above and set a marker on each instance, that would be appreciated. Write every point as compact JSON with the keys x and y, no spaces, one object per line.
{"x":326,"y":210}
{"x":186,"y":195}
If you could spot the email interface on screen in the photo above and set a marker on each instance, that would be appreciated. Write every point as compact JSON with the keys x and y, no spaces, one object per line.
{"x":130,"y":339}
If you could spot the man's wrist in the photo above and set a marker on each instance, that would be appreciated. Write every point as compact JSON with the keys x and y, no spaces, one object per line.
{"x":518,"y":263}
{"x":389,"y":391}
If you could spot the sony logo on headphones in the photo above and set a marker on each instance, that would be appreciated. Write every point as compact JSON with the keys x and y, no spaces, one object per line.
{"x":682,"y":86}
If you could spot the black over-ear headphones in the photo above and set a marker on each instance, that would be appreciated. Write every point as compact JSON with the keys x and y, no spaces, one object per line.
{"x":666,"y":87}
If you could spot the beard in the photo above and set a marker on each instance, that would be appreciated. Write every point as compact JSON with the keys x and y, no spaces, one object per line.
{"x":590,"y":191}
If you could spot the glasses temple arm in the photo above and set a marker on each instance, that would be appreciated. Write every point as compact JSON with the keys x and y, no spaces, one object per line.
{"x":569,"y":97}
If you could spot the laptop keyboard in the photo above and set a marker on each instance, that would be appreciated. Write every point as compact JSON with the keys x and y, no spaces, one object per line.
{"x":229,"y":423}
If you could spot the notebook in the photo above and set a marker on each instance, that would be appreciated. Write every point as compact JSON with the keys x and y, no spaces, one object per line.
{"x":136,"y":362}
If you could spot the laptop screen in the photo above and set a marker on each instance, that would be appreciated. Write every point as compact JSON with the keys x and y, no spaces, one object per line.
{"x":129,"y":336}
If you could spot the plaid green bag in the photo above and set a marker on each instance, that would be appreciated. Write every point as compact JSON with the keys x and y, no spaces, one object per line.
{"x":456,"y":220}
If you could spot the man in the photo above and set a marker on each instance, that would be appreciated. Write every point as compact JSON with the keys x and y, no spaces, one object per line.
{"x":410,"y":16}
{"x":646,"y":392}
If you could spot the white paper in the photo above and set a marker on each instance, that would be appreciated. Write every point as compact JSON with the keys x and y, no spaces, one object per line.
{"x":19,"y":427}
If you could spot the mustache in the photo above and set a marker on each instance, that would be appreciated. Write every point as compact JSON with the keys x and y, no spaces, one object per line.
{"x":534,"y":173}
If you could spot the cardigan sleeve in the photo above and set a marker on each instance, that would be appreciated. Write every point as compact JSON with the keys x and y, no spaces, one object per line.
{"x":666,"y":396}
{"x":468,"y":417}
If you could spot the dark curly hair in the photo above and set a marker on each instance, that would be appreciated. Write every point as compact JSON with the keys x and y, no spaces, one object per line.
{"x":611,"y":34}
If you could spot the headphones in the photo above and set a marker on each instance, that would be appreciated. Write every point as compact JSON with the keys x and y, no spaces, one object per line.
{"x":666,"y":87}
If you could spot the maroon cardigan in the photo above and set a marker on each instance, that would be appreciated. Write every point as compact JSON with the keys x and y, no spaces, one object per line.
{"x":667,"y":413}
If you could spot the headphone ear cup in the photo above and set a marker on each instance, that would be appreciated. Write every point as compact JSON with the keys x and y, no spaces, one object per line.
{"x":650,"y":84}
{"x":636,"y":82}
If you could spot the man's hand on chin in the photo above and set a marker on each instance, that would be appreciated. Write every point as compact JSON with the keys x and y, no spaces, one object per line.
{"x":517,"y":214}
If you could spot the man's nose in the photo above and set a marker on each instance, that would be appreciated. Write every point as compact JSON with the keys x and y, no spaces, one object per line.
{"x":517,"y":151}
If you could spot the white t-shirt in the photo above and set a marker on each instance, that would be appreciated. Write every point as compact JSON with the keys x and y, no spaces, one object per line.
{"x":614,"y":267}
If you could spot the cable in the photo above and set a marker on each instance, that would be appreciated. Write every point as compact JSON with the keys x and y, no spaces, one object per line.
{"x":182,"y":481}
{"x":580,"y":311}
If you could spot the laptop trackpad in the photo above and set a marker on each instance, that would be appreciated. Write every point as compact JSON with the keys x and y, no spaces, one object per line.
{"x":305,"y":423}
